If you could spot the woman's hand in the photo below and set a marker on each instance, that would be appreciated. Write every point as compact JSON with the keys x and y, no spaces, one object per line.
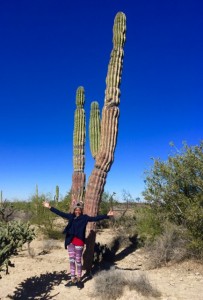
{"x":46,"y":204}
{"x":110,"y":213}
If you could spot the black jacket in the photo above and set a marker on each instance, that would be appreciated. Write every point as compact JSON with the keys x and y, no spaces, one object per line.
{"x":76,"y":225}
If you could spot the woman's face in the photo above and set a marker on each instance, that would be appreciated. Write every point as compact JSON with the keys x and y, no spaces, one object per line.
{"x":78,"y":211}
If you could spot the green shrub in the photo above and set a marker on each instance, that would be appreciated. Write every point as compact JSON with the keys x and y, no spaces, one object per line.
{"x":148,"y":223}
{"x":107,"y":203}
{"x":6,"y":211}
{"x":54,"y":234}
{"x":174,"y":191}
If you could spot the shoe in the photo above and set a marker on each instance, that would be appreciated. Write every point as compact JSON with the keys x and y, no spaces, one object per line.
{"x":70,"y":283}
{"x":80,"y":284}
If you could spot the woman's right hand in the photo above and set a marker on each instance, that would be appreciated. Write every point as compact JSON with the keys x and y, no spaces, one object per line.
{"x":46,"y":204}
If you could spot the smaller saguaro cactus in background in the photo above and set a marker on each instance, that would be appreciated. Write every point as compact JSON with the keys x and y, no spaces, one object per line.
{"x":56,"y":197}
{"x":79,"y":136}
{"x":36,"y":191}
{"x":1,"y":200}
{"x":37,"y":198}
{"x":94,"y":128}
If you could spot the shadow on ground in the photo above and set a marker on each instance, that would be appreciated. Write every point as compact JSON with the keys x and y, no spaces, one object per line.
{"x":106,"y":258}
{"x":39,"y":287}
{"x":111,"y":254}
{"x":128,"y":250}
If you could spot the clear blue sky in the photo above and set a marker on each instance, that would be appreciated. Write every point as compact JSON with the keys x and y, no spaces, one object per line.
{"x":50,"y":47}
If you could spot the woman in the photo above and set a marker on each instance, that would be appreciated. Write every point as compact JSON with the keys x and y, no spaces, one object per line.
{"x":75,"y":237}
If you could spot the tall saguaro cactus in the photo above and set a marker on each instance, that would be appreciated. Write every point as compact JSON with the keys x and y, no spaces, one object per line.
{"x":78,"y":178}
{"x":109,"y":130}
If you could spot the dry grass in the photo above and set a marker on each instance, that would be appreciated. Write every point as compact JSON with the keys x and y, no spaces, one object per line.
{"x":48,"y":245}
{"x":31,"y":251}
{"x":171,"y":246}
{"x":111,"y":284}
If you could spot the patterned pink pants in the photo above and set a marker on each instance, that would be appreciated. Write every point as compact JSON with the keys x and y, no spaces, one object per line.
{"x":75,"y":257}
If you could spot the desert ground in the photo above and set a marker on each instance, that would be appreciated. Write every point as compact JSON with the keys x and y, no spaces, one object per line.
{"x":43,"y":272}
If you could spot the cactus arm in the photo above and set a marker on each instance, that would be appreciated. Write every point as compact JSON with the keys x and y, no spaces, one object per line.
{"x":94,"y":128}
{"x":79,"y":135}
{"x":109,"y":123}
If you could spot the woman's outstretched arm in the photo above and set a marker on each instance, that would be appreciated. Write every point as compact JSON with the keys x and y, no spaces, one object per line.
{"x":56,"y":211}
{"x":101,"y":217}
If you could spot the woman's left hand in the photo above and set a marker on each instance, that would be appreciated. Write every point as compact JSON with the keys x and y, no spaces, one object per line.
{"x":110,"y":213}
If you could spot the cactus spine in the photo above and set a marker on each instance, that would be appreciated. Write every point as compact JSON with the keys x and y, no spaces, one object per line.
{"x":94,"y":128}
{"x":79,"y":135}
{"x":109,"y":130}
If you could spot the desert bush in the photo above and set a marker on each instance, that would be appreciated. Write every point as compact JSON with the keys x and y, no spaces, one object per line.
{"x":195,"y":248}
{"x":44,"y":218}
{"x":111,"y":284}
{"x":107,"y":203}
{"x":55,"y":234}
{"x":49,"y":245}
{"x":22,"y":205}
{"x":65,"y":203}
{"x":174,"y":190}
{"x":22,"y":211}
{"x":170,"y":246}
{"x":40,"y":215}
{"x":31,"y":251}
{"x":7,"y":210}
{"x":148,"y":223}
{"x":143,"y":286}
{"x":126,"y":223}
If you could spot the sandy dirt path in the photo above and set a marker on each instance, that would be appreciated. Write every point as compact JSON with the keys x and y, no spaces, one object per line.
{"x":44,"y":275}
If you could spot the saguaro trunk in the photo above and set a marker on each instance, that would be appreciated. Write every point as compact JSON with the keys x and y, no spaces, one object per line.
{"x":109,"y":130}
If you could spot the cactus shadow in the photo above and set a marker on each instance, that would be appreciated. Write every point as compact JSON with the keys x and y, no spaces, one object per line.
{"x":106,"y":257}
{"x":133,"y":246}
{"x":39,"y":287}
{"x":111,"y":254}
